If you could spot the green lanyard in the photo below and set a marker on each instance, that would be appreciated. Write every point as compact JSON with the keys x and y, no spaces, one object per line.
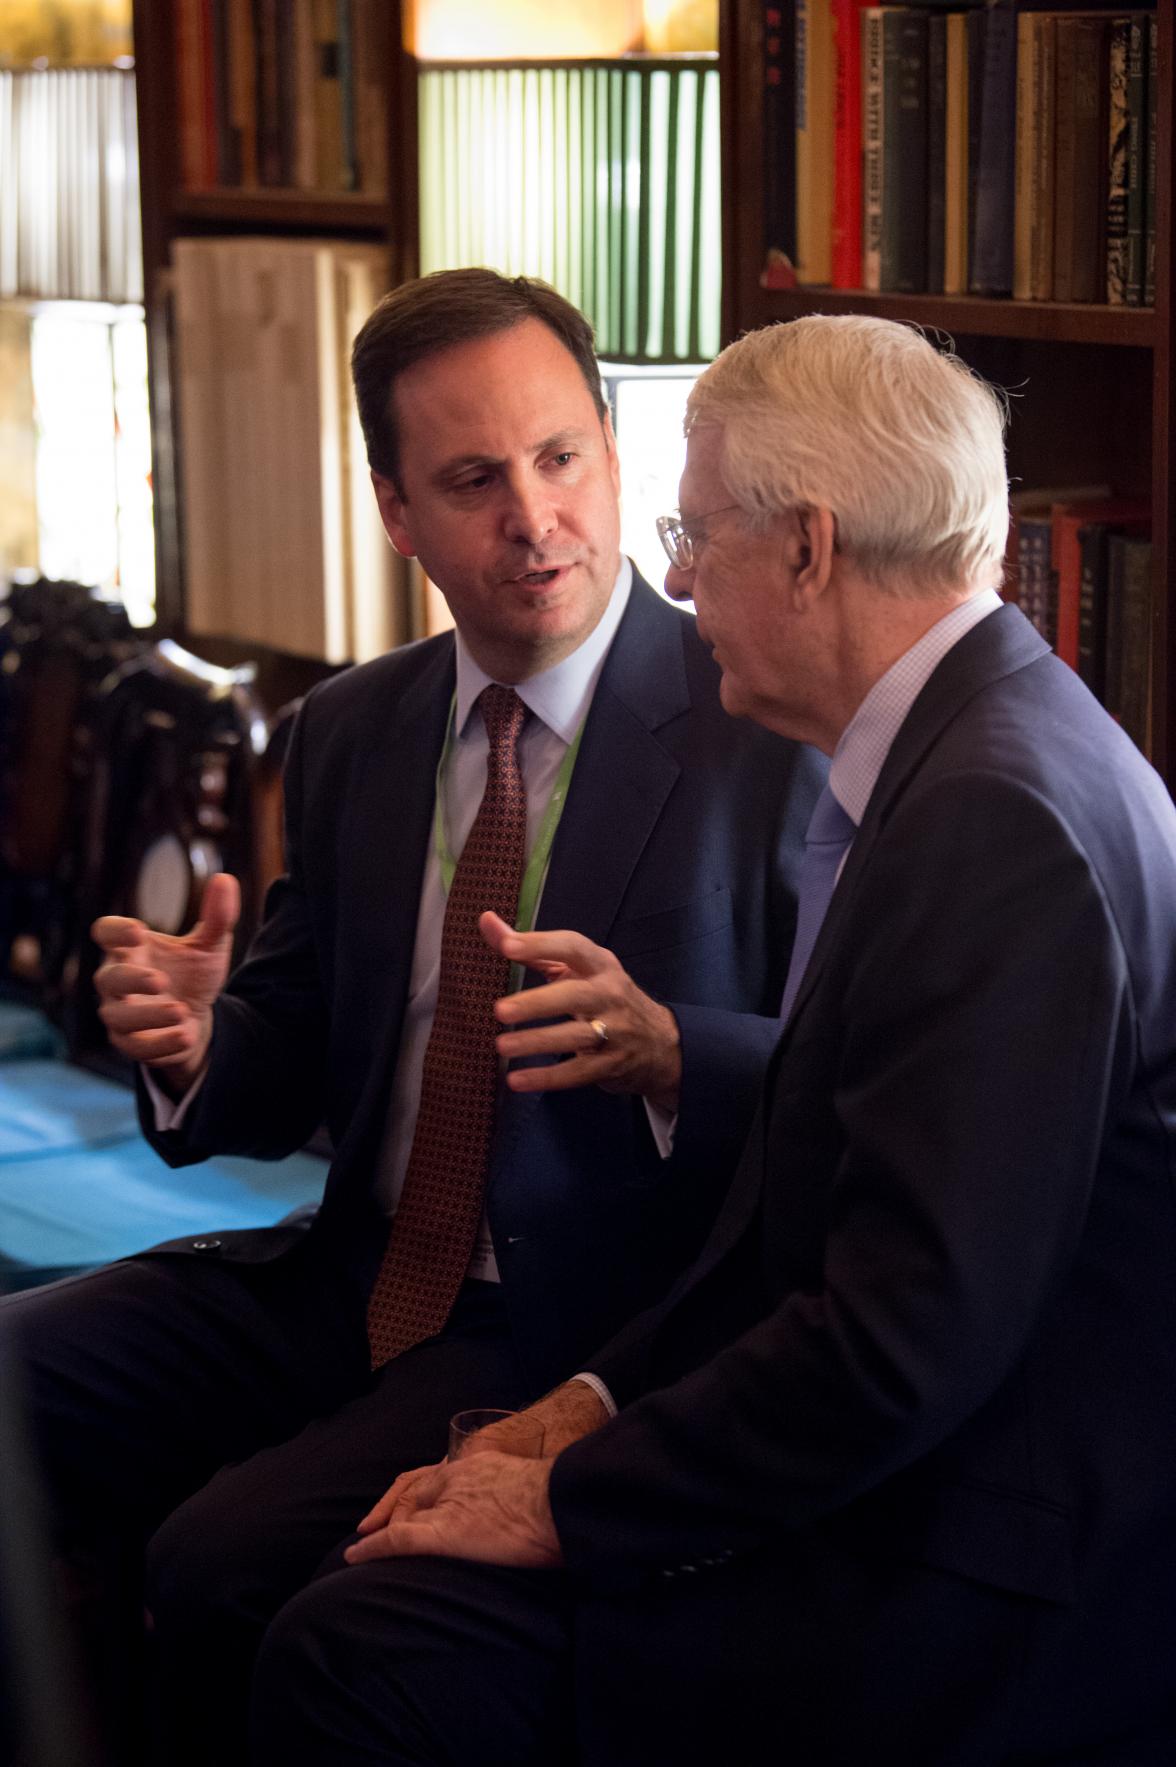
{"x":541,"y":852}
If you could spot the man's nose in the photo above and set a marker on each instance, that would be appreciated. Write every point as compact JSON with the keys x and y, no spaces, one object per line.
{"x":530,"y":513}
{"x":679,"y":584}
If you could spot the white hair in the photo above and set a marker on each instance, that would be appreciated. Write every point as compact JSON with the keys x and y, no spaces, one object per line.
{"x":866,"y":418}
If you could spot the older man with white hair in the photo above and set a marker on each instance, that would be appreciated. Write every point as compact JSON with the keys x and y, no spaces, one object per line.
{"x":887,"y":1480}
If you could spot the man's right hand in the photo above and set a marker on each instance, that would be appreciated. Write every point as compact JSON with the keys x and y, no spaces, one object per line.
{"x":157,"y":991}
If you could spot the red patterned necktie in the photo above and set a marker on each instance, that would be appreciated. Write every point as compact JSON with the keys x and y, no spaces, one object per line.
{"x":440,"y":1204}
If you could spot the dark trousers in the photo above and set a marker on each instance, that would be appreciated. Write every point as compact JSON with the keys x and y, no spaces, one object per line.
{"x":219,"y":1422}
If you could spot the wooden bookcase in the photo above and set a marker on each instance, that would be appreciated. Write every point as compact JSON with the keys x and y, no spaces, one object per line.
{"x":170,"y":211}
{"x":1092,"y":385}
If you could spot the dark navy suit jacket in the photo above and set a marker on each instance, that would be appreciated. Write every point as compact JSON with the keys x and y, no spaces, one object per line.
{"x":896,"y":1475}
{"x":677,"y":849}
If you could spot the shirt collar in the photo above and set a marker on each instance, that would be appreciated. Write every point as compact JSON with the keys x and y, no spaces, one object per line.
{"x":867,"y":738}
{"x":559,"y":696}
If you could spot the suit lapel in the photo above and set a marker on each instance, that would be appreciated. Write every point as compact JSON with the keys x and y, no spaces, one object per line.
{"x":998,"y":645}
{"x":623,"y":775}
{"x":390,"y":822}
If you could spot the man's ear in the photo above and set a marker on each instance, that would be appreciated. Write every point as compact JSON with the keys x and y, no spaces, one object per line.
{"x":815,"y":541}
{"x":610,"y":443}
{"x":391,"y":506}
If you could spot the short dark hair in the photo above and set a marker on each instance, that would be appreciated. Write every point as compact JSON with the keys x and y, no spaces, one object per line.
{"x":435,"y":312}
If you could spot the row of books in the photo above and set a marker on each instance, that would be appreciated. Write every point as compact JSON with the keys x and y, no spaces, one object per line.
{"x":283,"y":94}
{"x":987,"y":151}
{"x":1081,"y":571}
{"x":69,"y":185}
{"x":282,"y":541}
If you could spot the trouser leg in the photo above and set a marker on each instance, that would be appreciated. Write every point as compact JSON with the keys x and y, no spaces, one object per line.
{"x":427,"y":1661}
{"x":227,"y":1560}
{"x":137,"y":1382}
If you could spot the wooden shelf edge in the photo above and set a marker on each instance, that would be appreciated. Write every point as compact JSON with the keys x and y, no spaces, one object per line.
{"x":285,"y":208}
{"x":968,"y":315}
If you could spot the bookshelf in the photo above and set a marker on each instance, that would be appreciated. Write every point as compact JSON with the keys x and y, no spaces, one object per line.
{"x":170,"y":210}
{"x":1092,"y":385}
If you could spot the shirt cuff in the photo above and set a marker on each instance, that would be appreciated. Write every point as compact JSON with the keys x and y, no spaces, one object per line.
{"x":168,"y":1114}
{"x":662,"y":1126}
{"x":602,"y":1393}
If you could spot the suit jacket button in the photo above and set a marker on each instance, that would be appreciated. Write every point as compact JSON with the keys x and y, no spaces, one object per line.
{"x":206,"y":1245}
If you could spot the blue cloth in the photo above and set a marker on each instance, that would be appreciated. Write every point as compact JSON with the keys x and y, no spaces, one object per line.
{"x":828,"y":838}
{"x":79,"y":1186}
{"x":25,"y":1033}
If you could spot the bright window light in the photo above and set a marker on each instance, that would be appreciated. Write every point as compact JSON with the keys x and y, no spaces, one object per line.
{"x":93,"y":450}
{"x":648,"y":405}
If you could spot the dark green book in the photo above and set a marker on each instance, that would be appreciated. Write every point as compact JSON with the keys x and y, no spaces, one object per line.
{"x":992,"y":247}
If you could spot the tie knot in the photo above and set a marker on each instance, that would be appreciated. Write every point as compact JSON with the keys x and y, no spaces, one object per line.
{"x":829,"y":823}
{"x":502,"y":713}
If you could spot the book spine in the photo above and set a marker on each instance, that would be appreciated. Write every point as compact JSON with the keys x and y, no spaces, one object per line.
{"x":1113,"y":690}
{"x":1135,"y":637}
{"x":269,"y":151}
{"x":1149,"y":207}
{"x":1044,"y":184}
{"x":955,"y":223}
{"x":305,"y":53}
{"x":349,"y":157}
{"x":1064,"y":164}
{"x":1033,"y":573}
{"x":936,"y":149}
{"x":847,"y":146}
{"x":328,"y":98}
{"x":1117,"y":163}
{"x":814,"y":141}
{"x":976,"y":23}
{"x":1066,"y":565}
{"x":1092,"y":607}
{"x":189,"y":87}
{"x":904,"y":160}
{"x":370,"y":101}
{"x":1136,"y":157}
{"x":287,"y":92}
{"x":872,"y":145}
{"x":779,"y":218}
{"x":992,"y":264}
{"x":1026,"y":220}
{"x":1090,"y":159}
{"x":228,"y":154}
{"x":242,"y":77}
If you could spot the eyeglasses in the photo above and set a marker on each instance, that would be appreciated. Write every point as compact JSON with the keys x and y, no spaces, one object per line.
{"x":678,"y":537}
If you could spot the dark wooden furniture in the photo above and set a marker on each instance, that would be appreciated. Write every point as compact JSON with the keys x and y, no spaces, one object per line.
{"x":58,"y":642}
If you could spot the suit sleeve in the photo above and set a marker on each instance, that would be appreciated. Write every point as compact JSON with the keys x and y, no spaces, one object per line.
{"x":263,"y":1094}
{"x":974,"y":1029}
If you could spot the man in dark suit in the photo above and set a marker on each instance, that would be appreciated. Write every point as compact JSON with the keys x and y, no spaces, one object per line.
{"x":220,"y":1393}
{"x":888,"y":1478}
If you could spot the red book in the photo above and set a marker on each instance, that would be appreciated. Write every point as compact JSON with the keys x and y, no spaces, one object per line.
{"x":847,"y":144}
{"x":1066,"y":555}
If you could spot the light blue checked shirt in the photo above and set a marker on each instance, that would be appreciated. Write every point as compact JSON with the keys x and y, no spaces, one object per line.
{"x":867,"y":738}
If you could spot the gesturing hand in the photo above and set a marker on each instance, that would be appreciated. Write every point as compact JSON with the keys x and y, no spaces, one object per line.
{"x":640,"y":1049}
{"x":489,"y":1507}
{"x":157,"y":990}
